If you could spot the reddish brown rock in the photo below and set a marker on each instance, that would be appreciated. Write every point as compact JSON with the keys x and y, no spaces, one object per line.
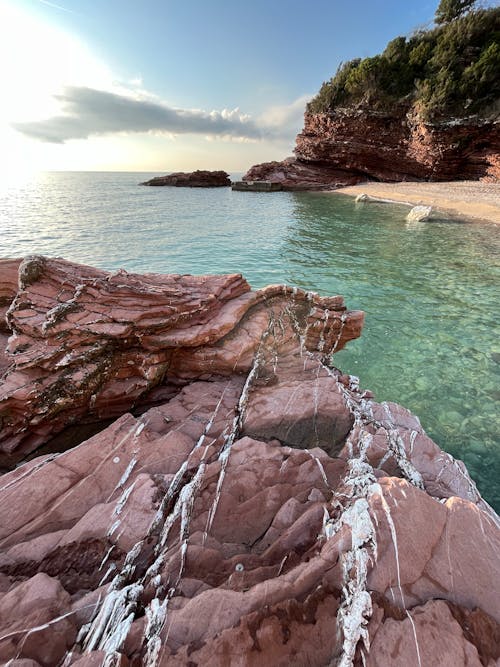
{"x":88,"y":345}
{"x":293,"y":174}
{"x":194,"y":179}
{"x":350,"y":145}
{"x":263,"y":512}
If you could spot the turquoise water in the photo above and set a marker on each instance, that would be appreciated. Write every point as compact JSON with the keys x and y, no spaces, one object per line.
{"x":430,"y":290}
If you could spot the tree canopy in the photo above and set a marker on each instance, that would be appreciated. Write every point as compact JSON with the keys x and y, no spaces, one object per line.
{"x":451,"y":69}
{"x":449,"y":10}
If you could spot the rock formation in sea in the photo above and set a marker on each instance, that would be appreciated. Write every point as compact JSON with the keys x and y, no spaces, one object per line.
{"x":351,"y":145}
{"x":194,"y":179}
{"x":249,"y":504}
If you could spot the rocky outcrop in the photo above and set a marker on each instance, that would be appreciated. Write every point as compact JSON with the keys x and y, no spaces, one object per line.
{"x":194,"y":179}
{"x":264,"y":511}
{"x":350,"y":145}
{"x":88,"y":345}
{"x":296,"y":175}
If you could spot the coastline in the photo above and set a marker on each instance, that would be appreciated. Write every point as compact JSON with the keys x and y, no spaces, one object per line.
{"x":476,"y":201}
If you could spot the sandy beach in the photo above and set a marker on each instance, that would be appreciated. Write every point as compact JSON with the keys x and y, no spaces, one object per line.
{"x":474,"y":200}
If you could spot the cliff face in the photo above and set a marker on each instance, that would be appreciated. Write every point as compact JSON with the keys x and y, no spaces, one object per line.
{"x":257,"y":507}
{"x":351,"y":145}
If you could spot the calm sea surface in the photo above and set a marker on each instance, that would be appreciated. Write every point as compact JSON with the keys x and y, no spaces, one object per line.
{"x":430,"y":290}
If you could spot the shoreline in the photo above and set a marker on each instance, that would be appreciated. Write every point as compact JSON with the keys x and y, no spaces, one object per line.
{"x":475,"y":201}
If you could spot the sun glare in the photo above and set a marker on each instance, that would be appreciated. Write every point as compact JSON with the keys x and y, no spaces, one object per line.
{"x":36,"y":61}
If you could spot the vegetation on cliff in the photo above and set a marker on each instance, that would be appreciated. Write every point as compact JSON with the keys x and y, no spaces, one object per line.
{"x":450,"y":70}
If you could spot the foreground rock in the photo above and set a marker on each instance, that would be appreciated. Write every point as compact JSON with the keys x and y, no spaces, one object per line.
{"x":350,"y":145}
{"x":264,"y":511}
{"x":194,"y":179}
{"x":89,"y":345}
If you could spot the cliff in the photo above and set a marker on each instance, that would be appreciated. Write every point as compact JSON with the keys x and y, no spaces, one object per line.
{"x":248,"y":503}
{"x":350,"y":145}
{"x":426,"y":108}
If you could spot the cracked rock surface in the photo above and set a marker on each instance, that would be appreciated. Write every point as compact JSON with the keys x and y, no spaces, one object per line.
{"x":248,"y":504}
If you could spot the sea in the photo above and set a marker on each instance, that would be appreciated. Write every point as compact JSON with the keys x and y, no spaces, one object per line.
{"x":430,"y":290}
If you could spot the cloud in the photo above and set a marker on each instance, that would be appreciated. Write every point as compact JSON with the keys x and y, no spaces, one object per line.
{"x":284,"y":121}
{"x":89,"y":112}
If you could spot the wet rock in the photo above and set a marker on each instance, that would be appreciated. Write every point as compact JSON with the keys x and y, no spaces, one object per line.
{"x":194,"y":179}
{"x":419,"y":213}
{"x":261,"y":510}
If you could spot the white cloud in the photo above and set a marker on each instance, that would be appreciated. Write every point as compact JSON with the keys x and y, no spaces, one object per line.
{"x":87,"y":112}
{"x":285,"y":120}
{"x":50,"y":98}
{"x":90,"y":112}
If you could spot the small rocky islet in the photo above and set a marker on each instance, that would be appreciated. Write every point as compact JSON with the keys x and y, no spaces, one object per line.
{"x":195,"y":179}
{"x":248,"y":501}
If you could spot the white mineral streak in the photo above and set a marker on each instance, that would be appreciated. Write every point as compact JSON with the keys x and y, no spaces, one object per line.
{"x":343,"y":319}
{"x":113,"y":528}
{"x":321,"y":344}
{"x":321,"y":468}
{"x":356,"y":607}
{"x":123,"y":499}
{"x":414,"y":637}
{"x":109,"y":628}
{"x":126,"y":474}
{"x":352,"y":500}
{"x":377,"y":490}
{"x":105,"y":559}
{"x":182,"y":508}
{"x":396,"y":445}
{"x":237,"y":424}
{"x":156,"y":614}
{"x":109,"y":571}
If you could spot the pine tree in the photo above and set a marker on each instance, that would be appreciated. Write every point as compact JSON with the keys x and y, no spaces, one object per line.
{"x":449,"y":10}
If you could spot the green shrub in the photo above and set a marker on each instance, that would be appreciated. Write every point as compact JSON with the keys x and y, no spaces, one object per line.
{"x":449,"y":70}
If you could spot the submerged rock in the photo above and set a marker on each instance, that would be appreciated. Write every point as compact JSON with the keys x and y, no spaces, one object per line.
{"x":419,"y":213}
{"x":194,"y":179}
{"x":256,"y":508}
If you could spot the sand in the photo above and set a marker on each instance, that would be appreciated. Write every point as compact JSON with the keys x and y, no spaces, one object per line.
{"x":474,"y":200}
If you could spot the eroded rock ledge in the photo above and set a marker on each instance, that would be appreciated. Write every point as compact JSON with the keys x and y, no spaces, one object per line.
{"x":350,"y":145}
{"x":263,"y":511}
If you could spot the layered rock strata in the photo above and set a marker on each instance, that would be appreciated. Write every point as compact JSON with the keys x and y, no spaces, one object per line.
{"x":194,"y":179}
{"x":351,"y":145}
{"x":265,"y":511}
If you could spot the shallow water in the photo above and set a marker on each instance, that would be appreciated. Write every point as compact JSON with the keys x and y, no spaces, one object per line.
{"x":430,"y":290}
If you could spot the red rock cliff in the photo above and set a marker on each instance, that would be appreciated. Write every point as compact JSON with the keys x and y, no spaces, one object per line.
{"x":352,"y":145}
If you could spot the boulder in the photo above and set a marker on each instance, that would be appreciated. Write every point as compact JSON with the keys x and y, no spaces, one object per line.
{"x":419,"y":213}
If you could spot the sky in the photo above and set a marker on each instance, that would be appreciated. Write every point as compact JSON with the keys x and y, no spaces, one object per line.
{"x":172,"y":85}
